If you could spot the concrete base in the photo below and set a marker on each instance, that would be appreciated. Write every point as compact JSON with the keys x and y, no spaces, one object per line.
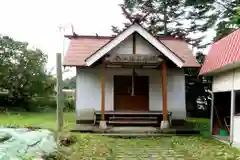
{"x":103,"y":125}
{"x":164,"y":125}
{"x":83,"y":128}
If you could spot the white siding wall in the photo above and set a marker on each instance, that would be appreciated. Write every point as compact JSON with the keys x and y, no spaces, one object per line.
{"x":237,"y":79}
{"x":89,"y":89}
{"x":236,"y":131}
{"x":222,"y":82}
{"x":226,"y":81}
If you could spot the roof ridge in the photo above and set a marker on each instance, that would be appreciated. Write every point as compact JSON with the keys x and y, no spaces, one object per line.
{"x":88,"y":36}
{"x":159,"y":37}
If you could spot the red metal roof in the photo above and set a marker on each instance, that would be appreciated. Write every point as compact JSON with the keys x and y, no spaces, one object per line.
{"x":224,"y":52}
{"x":81,"y":47}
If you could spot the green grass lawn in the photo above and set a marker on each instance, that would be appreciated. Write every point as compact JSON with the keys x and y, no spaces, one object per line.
{"x":97,"y":147}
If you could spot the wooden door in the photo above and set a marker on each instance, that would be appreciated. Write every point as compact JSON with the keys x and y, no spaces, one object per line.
{"x":124,"y":101}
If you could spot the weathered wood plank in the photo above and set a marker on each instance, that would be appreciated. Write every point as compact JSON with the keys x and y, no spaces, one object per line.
{"x":164,"y":91}
{"x":103,"y":91}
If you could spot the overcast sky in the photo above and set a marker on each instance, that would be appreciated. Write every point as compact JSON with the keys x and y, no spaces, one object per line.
{"x":38,"y":21}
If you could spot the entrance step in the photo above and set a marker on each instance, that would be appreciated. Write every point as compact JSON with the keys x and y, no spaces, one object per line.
{"x":133,"y":118}
{"x":133,"y":129}
{"x":132,"y":122}
{"x":128,"y":118}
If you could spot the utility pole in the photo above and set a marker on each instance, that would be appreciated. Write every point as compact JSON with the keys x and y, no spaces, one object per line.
{"x":59,"y":97}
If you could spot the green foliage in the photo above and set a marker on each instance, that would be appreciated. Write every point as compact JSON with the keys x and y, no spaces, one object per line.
{"x":92,"y":146}
{"x":172,"y":17}
{"x":198,"y":97}
{"x":70,"y":83}
{"x":22,"y":73}
{"x":236,"y":19}
{"x":67,"y":139}
{"x":224,"y":14}
{"x":69,"y":103}
{"x":202,"y":124}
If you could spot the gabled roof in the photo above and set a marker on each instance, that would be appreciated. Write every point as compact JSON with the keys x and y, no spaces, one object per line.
{"x":126,"y":33}
{"x":223,"y":54}
{"x":85,"y":50}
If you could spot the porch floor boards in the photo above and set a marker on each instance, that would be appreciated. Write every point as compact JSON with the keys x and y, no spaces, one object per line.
{"x":138,"y":118}
{"x":132,"y":122}
{"x":130,"y":113}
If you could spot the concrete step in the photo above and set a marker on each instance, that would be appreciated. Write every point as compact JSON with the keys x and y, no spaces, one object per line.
{"x":133,"y":118}
{"x":139,"y":135}
{"x":123,"y":122}
{"x":132,"y":129}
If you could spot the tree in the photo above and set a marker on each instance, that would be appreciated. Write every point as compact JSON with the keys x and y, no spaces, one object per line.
{"x":22,"y":72}
{"x":197,"y":91}
{"x":170,"y":17}
{"x":70,"y":83}
{"x":236,"y":19}
{"x":224,"y":10}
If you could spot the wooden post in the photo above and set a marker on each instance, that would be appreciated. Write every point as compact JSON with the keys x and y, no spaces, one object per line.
{"x":103,"y":91}
{"x":59,"y":97}
{"x":164,"y":91}
{"x":133,"y":70}
{"x":134,"y":43}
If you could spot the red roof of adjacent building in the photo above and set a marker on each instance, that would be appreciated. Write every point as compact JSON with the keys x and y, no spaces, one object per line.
{"x":81,"y":47}
{"x":223,"y":53}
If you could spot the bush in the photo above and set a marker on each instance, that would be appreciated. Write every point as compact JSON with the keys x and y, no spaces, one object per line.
{"x":67,"y":140}
{"x":43,"y":104}
{"x":69,"y":104}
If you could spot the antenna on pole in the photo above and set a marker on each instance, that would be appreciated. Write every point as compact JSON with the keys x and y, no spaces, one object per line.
{"x":73,"y":33}
{"x":62,"y":29}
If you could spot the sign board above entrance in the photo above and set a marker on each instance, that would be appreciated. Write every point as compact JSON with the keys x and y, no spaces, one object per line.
{"x":134,"y":58}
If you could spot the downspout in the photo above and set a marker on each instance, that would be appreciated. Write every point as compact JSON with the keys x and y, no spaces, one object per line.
{"x":212,"y":103}
{"x":232,"y":109}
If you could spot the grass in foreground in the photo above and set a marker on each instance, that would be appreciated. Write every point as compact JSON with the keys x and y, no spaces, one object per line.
{"x":97,"y":147}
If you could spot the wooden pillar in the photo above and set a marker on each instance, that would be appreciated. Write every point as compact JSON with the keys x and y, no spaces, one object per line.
{"x":103,"y":91}
{"x":134,"y":43}
{"x":133,"y":70}
{"x":164,"y":91}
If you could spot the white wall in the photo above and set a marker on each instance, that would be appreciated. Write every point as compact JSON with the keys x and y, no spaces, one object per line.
{"x":222,"y":82}
{"x":142,"y":47}
{"x":237,"y":79}
{"x":89,"y":89}
{"x":226,"y":81}
{"x":236,"y":131}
